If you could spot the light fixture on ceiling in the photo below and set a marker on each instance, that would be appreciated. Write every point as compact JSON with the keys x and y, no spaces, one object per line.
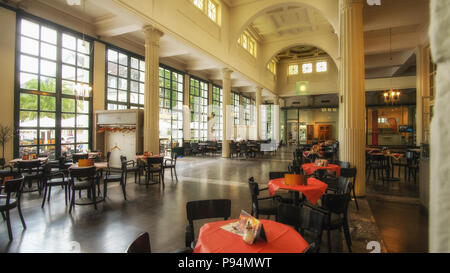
{"x":73,"y":2}
{"x":392,"y":96}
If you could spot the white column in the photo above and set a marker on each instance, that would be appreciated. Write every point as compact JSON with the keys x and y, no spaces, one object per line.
{"x":226,"y":107}
{"x":422,"y":89}
{"x":352,"y":108}
{"x":439,"y":223}
{"x":186,"y":110}
{"x":258,"y":101}
{"x":276,"y":119}
{"x":151,"y":104}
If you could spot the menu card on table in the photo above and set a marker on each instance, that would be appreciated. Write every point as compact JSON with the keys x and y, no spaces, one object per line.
{"x":241,"y":226}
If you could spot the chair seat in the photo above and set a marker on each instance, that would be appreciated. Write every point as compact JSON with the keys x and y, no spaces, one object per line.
{"x":57,"y":181}
{"x":267,"y":207}
{"x":335,"y":222}
{"x":112,"y":178}
{"x":3,"y":206}
{"x":133,"y":169}
{"x":81,"y":185}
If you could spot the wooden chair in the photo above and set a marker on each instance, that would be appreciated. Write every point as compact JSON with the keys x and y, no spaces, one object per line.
{"x":264,"y":205}
{"x":83,"y":179}
{"x":204,"y":209}
{"x":7,"y":203}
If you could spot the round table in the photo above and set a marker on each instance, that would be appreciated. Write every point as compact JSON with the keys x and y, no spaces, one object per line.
{"x":310,"y":168}
{"x":313,"y":191}
{"x":280,"y":239}
{"x":100,"y":166}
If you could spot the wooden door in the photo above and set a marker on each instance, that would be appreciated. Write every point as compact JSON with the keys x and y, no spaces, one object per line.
{"x":325,"y":132}
{"x":309,"y":133}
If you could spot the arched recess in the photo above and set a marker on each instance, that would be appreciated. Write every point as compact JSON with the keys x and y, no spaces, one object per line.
{"x":243,"y":15}
{"x":326,"y":42}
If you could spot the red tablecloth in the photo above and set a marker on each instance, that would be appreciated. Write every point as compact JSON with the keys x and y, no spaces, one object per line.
{"x":313,"y":191}
{"x":310,"y":168}
{"x":280,"y":239}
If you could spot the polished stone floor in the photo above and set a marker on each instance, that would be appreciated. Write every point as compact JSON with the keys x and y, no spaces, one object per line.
{"x":160,"y":211}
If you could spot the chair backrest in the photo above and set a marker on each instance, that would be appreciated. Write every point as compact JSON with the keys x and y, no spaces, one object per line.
{"x":178,"y":151}
{"x":76,"y":157}
{"x":82,"y":173}
{"x":349,"y":173}
{"x":254,"y":192}
{"x":204,"y":209}
{"x":275,"y":175}
{"x":28,"y":165}
{"x":289,"y":215}
{"x":155,"y":161}
{"x":312,"y":221}
{"x":13,"y":185}
{"x":108,"y":156}
{"x":141,"y":244}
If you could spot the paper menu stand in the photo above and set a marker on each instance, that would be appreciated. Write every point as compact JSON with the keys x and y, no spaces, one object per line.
{"x":257,"y":227}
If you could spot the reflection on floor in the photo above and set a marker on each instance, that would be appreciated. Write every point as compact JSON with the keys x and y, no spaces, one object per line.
{"x":159,"y":211}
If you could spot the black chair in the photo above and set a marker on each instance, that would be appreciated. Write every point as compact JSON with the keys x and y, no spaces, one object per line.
{"x":327,"y":155}
{"x":289,"y":215}
{"x":7,"y":203}
{"x":83,"y":179}
{"x":311,"y":227}
{"x":76,"y":157}
{"x":336,"y":205}
{"x":376,"y":166}
{"x":204,"y":209}
{"x":195,"y":149}
{"x":284,"y":197}
{"x":141,"y":244}
{"x":32,"y":172}
{"x":187,"y":149}
{"x":154,"y":166}
{"x":234,"y":149}
{"x":342,"y":164}
{"x":171,"y":163}
{"x":112,"y":177}
{"x":53,"y":178}
{"x":351,"y":174}
{"x":412,"y":159}
{"x":264,"y":205}
{"x":402,"y":162}
{"x":131,"y":166}
{"x":243,"y":150}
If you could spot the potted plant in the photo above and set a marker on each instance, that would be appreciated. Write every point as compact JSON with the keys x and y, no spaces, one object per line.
{"x":6,"y":133}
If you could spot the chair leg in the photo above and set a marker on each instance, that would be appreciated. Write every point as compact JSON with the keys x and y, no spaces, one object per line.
{"x":43,"y":199}
{"x":49,"y":194}
{"x":354,"y":197}
{"x":124,"y":191}
{"x":8,"y":223}
{"x":105,"y":189}
{"x":19,"y":208}
{"x":3,"y":216}
{"x":175,"y":171}
{"x":347,"y":237}
{"x":72,"y":202}
{"x":329,"y":240}
{"x":94,"y":196}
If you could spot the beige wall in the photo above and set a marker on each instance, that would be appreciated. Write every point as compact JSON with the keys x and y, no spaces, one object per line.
{"x":7,"y":57}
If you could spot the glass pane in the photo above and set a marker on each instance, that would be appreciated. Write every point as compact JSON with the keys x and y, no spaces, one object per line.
{"x":29,"y":46}
{"x":46,"y":137}
{"x":134,"y":97}
{"x":28,"y":119}
{"x":82,"y":106}
{"x":68,"y":105}
{"x":27,"y":137}
{"x":122,"y":96}
{"x":83,"y":121}
{"x":68,"y":56}
{"x":47,"y":120}
{"x":67,"y":136}
{"x":83,"y":46}
{"x":112,"y":106}
{"x":28,"y":101}
{"x":68,"y":87}
{"x":112,"y":55}
{"x":30,"y":29}
{"x":134,"y":63}
{"x":48,"y":68}
{"x":112,"y":81}
{"x":67,"y":120}
{"x":134,"y":86}
{"x":68,"y":72}
{"x":123,"y":71}
{"x":48,"y":103}
{"x":48,"y":84}
{"x":83,"y":75}
{"x":134,"y":74}
{"x":68,"y":149}
{"x":112,"y":94}
{"x":48,"y":51}
{"x":48,"y":151}
{"x":83,"y":60}
{"x":48,"y":35}
{"x":123,"y":84}
{"x":28,"y":81}
{"x":123,"y":59}
{"x":69,"y":41}
{"x":112,"y":68}
{"x":29,"y":64}
{"x":82,"y":148}
{"x":82,"y":136}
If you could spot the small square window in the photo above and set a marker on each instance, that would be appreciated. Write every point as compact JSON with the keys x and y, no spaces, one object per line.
{"x":321,"y":66}
{"x":307,"y":68}
{"x":293,"y":69}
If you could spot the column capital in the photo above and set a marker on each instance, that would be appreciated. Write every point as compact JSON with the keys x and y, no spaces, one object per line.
{"x":258,"y":88}
{"x":351,"y":3}
{"x":152,"y":34}
{"x":226,"y":73}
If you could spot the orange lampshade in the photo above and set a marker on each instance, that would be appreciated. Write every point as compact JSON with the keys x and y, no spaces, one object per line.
{"x":85,"y":162}
{"x":294,"y":179}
